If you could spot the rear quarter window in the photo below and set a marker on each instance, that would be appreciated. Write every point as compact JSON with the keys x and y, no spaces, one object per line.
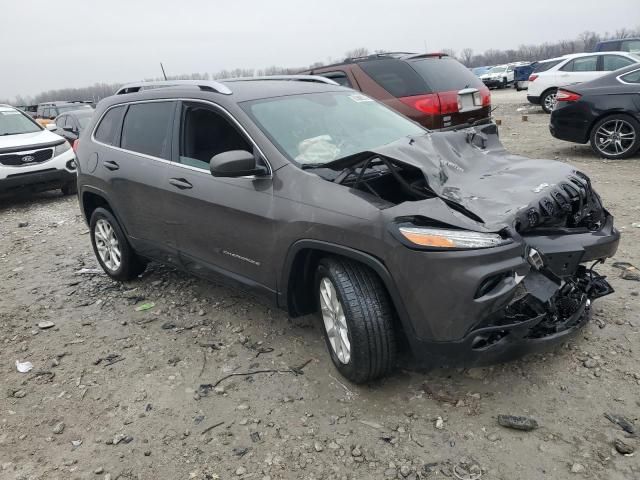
{"x":109,"y":128}
{"x":445,"y":74}
{"x":147,"y":129}
{"x":395,"y":76}
{"x":544,"y":66}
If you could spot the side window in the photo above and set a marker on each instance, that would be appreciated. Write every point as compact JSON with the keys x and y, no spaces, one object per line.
{"x":632,"y":46}
{"x":633,"y":77}
{"x":582,"y":64}
{"x":614,"y":62}
{"x":147,"y":128}
{"x":61,"y":121}
{"x":109,"y":128}
{"x":205,"y":133}
{"x":340,"y":77}
{"x":53,"y":113}
{"x":40,"y":111}
{"x":395,"y":76}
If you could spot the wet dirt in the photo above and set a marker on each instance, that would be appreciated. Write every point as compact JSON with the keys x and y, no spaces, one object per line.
{"x":115,"y":392}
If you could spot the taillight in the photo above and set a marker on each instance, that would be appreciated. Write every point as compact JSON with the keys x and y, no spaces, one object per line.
{"x":76,"y":144}
{"x":486,"y":97}
{"x":448,"y":102}
{"x":532,"y":77}
{"x":567,"y":96}
{"x":424,"y":103}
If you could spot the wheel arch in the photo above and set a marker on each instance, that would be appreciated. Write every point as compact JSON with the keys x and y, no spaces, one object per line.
{"x":299,"y":270}
{"x":92,"y":198}
{"x":610,"y":113}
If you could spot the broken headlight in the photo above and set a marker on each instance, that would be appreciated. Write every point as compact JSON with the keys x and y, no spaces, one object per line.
{"x":449,"y":238}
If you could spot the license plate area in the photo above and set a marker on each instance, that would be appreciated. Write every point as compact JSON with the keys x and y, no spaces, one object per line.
{"x":469,"y":99}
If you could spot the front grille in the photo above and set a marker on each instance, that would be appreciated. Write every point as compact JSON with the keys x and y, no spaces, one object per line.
{"x":20,"y":159}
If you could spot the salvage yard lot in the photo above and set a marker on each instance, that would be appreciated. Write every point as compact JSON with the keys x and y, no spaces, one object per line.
{"x":117,"y":385}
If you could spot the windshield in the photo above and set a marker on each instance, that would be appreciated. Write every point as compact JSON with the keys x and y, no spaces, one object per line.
{"x":497,"y":69}
{"x":69,"y":108}
{"x":318,"y":128}
{"x":13,"y":122}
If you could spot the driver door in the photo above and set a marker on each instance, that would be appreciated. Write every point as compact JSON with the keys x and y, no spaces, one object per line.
{"x":221,"y":225}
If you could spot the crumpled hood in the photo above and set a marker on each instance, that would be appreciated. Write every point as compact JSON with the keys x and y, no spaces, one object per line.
{"x":471,"y":168}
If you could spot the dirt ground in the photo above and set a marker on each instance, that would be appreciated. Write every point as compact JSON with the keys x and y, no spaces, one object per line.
{"x":115,"y":393}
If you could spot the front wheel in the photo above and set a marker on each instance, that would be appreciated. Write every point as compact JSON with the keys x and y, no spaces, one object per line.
{"x":111,"y":247}
{"x":548,"y":100}
{"x":358,"y":319}
{"x":616,"y":137}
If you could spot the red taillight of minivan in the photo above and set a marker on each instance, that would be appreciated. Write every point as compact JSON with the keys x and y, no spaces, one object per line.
{"x":429,"y":103}
{"x":567,"y":96}
{"x":75,"y":145}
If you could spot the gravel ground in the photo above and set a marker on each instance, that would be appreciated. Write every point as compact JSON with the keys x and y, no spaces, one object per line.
{"x":115,"y":390}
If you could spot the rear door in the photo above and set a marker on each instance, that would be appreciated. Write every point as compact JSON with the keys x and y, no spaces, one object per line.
{"x":578,"y":70}
{"x":134,"y":162}
{"x":220,"y":225}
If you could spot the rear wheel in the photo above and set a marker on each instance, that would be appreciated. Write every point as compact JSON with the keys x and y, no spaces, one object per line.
{"x":616,"y":137}
{"x":548,"y":100}
{"x":358,"y":319}
{"x":111,"y":247}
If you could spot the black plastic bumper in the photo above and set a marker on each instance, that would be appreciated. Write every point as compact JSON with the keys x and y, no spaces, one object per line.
{"x":38,"y":181}
{"x":535,"y":99}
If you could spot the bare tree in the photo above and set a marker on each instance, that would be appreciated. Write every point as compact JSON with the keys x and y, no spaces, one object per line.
{"x":449,"y":51}
{"x":466,"y":55}
{"x":357,"y":52}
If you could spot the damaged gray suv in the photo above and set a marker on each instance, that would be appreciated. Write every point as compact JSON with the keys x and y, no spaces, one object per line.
{"x":441,"y":244}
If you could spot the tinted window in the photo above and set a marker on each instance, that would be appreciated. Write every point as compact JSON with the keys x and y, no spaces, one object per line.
{"x":632,"y":46}
{"x":109,"y":128}
{"x":544,"y":66}
{"x":608,"y":47}
{"x":340,"y":77}
{"x":582,"y":64}
{"x":614,"y":62}
{"x":395,"y":76}
{"x":444,"y":74}
{"x":146,"y":128}
{"x":633,"y":77}
{"x":204,"y":134}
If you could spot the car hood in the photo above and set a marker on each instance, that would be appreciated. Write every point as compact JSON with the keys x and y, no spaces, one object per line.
{"x":472,"y":173}
{"x":34,"y":139}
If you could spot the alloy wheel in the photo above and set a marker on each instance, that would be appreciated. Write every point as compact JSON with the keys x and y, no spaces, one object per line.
{"x":107,"y":245}
{"x":550,"y":101}
{"x":335,"y":322}
{"x":615,"y":137}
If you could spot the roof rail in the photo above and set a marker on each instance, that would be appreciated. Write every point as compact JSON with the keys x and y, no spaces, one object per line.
{"x":298,"y":78}
{"x":208,"y":85}
{"x":377,"y":55}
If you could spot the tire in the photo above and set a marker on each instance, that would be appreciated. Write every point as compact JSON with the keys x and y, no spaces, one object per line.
{"x":367,"y":316}
{"x":548,"y":100}
{"x":628,"y":130}
{"x":70,"y":188}
{"x":101,"y":226}
{"x":505,"y":84}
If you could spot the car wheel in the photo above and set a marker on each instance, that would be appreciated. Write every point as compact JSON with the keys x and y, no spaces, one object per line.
{"x":548,"y":100}
{"x":357,"y":317}
{"x":70,"y":188}
{"x":111,"y":247}
{"x":505,"y":84}
{"x":616,"y":136}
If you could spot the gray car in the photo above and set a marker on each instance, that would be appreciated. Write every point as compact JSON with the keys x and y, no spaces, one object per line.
{"x":315,"y":196}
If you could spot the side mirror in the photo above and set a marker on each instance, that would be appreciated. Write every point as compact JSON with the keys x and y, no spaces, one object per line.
{"x":235,"y":163}
{"x":52,"y":127}
{"x":69,"y":129}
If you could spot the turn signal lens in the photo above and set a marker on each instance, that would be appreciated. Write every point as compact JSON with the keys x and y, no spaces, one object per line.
{"x":444,"y":238}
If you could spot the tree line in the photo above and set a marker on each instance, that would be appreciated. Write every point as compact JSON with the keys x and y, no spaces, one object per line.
{"x":585,"y":42}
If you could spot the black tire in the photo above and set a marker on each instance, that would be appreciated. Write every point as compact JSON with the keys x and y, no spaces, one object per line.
{"x":545,"y":100}
{"x":505,"y":84}
{"x":369,"y":317}
{"x":70,"y":188}
{"x":631,"y":125}
{"x":131,"y":265}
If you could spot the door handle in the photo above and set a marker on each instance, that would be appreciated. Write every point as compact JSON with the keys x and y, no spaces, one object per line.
{"x":111,"y":165}
{"x":180,"y":183}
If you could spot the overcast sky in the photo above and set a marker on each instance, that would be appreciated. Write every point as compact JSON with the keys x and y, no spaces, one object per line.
{"x":48,"y":44}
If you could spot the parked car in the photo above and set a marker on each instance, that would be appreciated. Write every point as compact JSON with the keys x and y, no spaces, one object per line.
{"x":432,"y":89}
{"x":48,"y":111}
{"x":570,"y":69}
{"x":521,"y":75}
{"x":29,"y":110}
{"x":70,"y":125}
{"x":31,"y":157}
{"x":605,"y":112}
{"x":500,"y":76}
{"x":324,"y":200}
{"x":631,"y":45}
{"x":479,"y":71}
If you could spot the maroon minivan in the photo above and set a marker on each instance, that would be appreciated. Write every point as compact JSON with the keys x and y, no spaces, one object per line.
{"x":432,"y":89}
